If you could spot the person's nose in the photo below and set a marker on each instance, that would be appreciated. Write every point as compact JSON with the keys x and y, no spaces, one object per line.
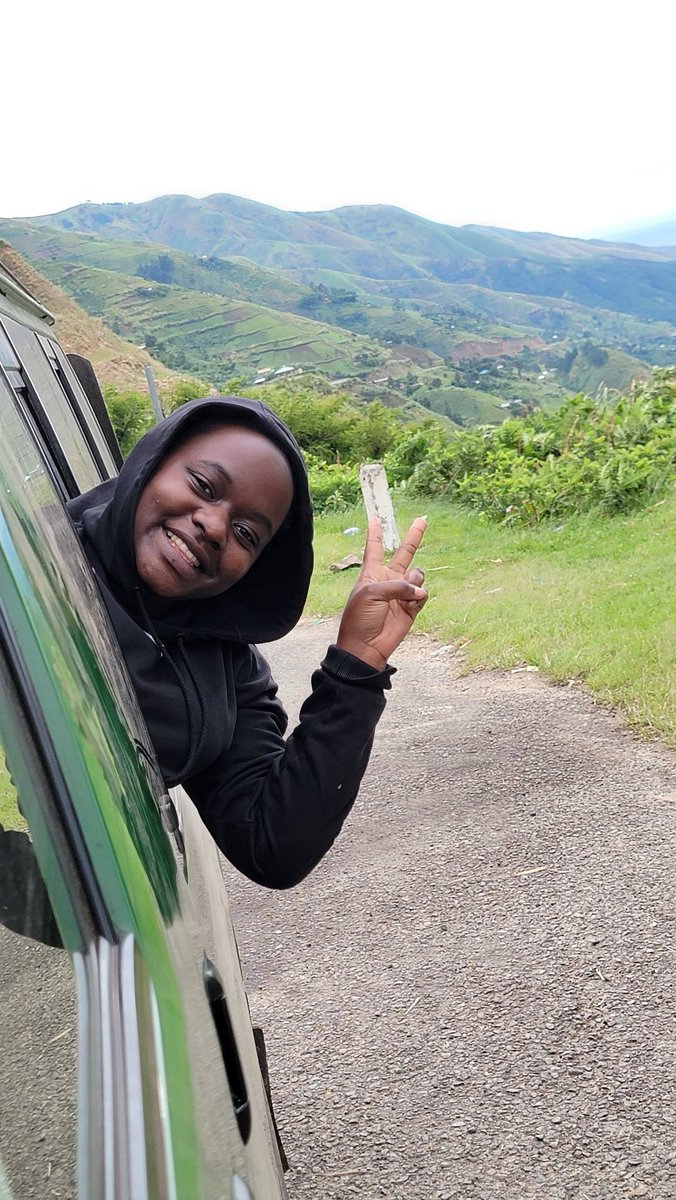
{"x":212,"y":521}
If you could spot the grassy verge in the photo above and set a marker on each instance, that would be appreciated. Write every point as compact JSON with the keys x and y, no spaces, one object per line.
{"x":590,"y":600}
{"x":10,"y":817}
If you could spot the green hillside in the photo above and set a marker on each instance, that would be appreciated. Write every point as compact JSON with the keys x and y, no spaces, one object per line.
{"x":468,"y":322}
{"x":620,"y":295}
{"x":423,"y":312}
{"x":633,"y":280}
{"x":397,"y":355}
{"x":382,"y":242}
{"x":207,"y":334}
{"x":237,"y":278}
{"x":586,"y":367}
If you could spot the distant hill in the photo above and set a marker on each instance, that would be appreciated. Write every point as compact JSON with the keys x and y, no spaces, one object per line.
{"x":114,"y":359}
{"x":226,"y":225}
{"x":661,"y":233}
{"x":385,"y":243}
{"x":207,"y":333}
{"x":469,"y":322}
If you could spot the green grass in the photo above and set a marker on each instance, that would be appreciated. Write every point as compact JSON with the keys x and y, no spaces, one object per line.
{"x":590,"y":601}
{"x":10,"y":817}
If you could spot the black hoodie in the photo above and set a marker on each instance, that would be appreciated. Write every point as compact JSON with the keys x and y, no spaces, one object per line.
{"x":274,"y":807}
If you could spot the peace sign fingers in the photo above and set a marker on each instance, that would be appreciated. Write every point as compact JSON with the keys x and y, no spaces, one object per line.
{"x":373,"y":550}
{"x":403,"y":556}
{"x":385,"y":599}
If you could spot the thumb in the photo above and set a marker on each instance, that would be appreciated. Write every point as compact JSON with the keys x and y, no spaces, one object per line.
{"x":394,"y":589}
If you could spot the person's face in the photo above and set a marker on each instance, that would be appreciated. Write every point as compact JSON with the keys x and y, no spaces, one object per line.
{"x":208,"y":512}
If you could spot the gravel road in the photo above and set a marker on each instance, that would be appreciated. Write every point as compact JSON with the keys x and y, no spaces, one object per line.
{"x":473,"y":995}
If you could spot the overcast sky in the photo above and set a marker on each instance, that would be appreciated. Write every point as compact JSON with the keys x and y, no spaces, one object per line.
{"x":527,"y":115}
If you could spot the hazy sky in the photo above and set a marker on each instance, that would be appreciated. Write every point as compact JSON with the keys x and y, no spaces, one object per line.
{"x":529,"y":115}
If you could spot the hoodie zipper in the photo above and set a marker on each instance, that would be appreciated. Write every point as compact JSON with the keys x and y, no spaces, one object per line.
{"x":195,"y":710}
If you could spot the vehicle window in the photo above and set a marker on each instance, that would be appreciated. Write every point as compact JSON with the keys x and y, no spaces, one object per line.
{"x":38,"y":1009}
{"x":32,"y":376}
{"x":10,"y":362}
{"x":80,"y":405}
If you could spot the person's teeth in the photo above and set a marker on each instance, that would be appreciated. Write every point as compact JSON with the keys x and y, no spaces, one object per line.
{"x":180,"y":545}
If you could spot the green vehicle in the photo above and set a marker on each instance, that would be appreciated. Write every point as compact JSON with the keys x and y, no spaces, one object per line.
{"x":129,"y":1068}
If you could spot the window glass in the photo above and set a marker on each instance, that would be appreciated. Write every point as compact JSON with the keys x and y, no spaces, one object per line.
{"x":38,"y":1011}
{"x":7,"y":356}
{"x":67,"y":442}
{"x":10,"y":363}
{"x":80,"y":405}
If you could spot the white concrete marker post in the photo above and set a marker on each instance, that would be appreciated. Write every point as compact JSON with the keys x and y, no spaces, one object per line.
{"x":378,"y":502}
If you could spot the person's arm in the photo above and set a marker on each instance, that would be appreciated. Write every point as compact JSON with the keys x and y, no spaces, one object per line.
{"x":275,"y":807}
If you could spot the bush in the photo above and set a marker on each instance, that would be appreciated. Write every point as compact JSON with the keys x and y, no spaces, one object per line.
{"x":331,"y":428}
{"x":130,"y":413}
{"x":590,"y":454}
{"x":417,"y":445}
{"x":185,"y":390}
{"x":333,"y":487}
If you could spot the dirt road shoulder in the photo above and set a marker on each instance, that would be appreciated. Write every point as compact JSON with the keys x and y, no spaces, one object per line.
{"x":473,"y":995}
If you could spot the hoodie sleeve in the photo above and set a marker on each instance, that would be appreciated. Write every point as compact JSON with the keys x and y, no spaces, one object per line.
{"x":274,"y":807}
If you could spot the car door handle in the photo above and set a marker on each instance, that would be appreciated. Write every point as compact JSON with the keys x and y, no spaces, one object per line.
{"x":226,"y":1037}
{"x":170,"y":820}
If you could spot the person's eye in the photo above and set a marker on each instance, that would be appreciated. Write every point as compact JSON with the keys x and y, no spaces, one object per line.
{"x":203,"y":486}
{"x":247,"y":537}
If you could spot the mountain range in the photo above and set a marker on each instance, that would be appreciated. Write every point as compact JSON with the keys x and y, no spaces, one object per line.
{"x":468,"y":321}
{"x":654,"y":232}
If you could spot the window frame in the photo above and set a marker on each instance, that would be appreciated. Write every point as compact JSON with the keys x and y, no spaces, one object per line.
{"x":48,"y":433}
{"x":80,"y":404}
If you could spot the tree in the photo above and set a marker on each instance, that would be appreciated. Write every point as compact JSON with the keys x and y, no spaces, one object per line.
{"x":186,"y":390}
{"x":161,"y":268}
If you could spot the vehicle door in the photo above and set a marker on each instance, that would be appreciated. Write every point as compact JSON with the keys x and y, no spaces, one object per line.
{"x":103,"y":954}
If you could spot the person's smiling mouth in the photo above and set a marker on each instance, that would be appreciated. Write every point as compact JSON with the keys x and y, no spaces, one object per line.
{"x":188,"y":555}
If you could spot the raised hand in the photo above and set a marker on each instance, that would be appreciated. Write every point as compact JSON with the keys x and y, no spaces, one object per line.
{"x":386,"y":598}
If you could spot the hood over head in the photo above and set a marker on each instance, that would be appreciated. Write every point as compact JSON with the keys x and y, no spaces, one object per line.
{"x":262,"y":606}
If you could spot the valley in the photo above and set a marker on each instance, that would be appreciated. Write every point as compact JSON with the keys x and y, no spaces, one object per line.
{"x":471,"y":323}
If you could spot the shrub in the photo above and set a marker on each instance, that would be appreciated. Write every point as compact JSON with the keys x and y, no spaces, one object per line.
{"x":185,"y":390}
{"x":333,"y":486}
{"x":590,"y":454}
{"x":130,"y":413}
{"x":417,"y":445}
{"x":333,"y":429}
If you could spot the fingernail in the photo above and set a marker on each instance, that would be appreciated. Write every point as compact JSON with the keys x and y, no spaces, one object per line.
{"x":421,"y":518}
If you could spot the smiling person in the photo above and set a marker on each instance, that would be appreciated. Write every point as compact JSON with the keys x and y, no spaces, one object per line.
{"x":202,"y":548}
